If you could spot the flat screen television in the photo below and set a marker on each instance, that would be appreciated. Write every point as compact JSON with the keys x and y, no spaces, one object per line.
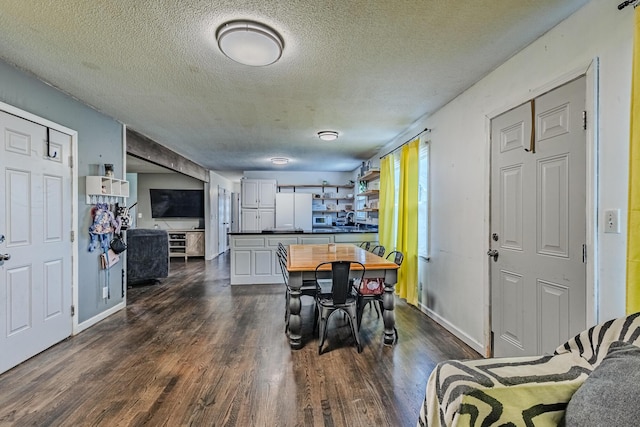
{"x":169,"y":203}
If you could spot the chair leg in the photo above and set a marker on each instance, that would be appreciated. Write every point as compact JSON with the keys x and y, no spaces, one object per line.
{"x":316,"y":313}
{"x":359,"y":310}
{"x":378,"y":311}
{"x":355,"y":327}
{"x":323,"y":329}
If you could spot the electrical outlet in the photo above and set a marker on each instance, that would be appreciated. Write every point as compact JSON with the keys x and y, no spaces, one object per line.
{"x":105,"y":292}
{"x":139,"y":215}
{"x":612,"y":221}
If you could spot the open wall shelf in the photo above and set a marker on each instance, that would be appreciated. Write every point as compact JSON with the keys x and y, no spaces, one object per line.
{"x":105,"y":189}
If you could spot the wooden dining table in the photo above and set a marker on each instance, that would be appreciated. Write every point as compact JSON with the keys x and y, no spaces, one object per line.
{"x":302,"y":261}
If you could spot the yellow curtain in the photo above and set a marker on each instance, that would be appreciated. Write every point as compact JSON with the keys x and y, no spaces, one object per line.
{"x":407,"y":240}
{"x":386,"y":229}
{"x":633,"y":230}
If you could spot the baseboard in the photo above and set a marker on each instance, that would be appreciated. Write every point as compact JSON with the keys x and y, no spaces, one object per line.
{"x":451,"y":328}
{"x":95,"y":319}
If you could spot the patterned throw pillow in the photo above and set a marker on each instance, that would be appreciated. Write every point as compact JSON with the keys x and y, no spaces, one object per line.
{"x":371,"y":286}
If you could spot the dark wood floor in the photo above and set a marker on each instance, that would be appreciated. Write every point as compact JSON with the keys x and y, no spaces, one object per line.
{"x":196,"y":351}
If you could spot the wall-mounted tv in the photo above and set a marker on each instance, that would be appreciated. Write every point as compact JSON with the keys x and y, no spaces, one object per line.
{"x":169,"y":203}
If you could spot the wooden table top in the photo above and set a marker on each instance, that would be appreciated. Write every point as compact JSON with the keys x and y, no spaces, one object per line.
{"x":307,"y":257}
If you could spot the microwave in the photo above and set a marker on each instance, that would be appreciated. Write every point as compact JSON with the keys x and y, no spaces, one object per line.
{"x":322,"y":221}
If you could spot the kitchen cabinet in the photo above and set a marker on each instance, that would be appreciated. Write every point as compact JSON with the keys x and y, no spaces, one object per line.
{"x":258,"y":193}
{"x":257,"y":219}
{"x":254,"y":259}
{"x":326,"y":198}
{"x":293,"y":210}
{"x":258,"y":200}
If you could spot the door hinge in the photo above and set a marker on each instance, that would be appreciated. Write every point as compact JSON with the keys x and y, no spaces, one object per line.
{"x":71,"y":161}
{"x":584,"y":120}
{"x":584,"y":254}
{"x":73,"y":310}
{"x":73,"y":236}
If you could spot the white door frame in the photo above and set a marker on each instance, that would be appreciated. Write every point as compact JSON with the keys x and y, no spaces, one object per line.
{"x":590,"y":71}
{"x":74,"y":196}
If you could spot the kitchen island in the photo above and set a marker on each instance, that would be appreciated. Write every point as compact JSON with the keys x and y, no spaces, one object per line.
{"x":253,"y":253}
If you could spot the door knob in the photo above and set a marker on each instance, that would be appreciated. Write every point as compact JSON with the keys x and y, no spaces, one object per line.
{"x":5,"y":257}
{"x":494,"y":254}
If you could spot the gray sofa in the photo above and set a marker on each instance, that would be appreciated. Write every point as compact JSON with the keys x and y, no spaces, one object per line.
{"x":147,"y":255}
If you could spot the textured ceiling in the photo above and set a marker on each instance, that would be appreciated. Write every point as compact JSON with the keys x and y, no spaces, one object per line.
{"x":368,"y":69}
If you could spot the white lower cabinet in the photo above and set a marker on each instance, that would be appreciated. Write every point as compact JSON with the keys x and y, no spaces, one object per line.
{"x":254,"y":259}
{"x":257,"y":219}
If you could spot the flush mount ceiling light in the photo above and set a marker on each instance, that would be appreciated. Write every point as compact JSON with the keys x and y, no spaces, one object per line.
{"x":279,"y":160}
{"x":249,"y":43}
{"x":328,"y":135}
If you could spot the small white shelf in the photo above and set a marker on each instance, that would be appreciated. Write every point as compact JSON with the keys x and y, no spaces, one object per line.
{"x":105,"y":188}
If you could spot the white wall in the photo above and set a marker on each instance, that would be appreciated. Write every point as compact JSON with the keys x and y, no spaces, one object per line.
{"x":455,"y":282}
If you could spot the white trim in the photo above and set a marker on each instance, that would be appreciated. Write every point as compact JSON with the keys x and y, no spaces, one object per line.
{"x":124,"y":178}
{"x":592,"y":103}
{"x":75,"y":280}
{"x":591,"y":73}
{"x":520,"y":99}
{"x":99,"y":317}
{"x":486,"y":295}
{"x":451,"y":328}
{"x":74,"y":196}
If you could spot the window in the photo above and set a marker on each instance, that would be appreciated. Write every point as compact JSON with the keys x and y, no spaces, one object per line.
{"x":423,"y":198}
{"x":396,"y":197}
{"x":423,"y":201}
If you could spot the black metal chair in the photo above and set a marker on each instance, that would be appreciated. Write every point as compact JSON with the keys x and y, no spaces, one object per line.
{"x":364,"y":298}
{"x":378,"y":250}
{"x":339,"y":298}
{"x":365,"y":245}
{"x":398,"y":257}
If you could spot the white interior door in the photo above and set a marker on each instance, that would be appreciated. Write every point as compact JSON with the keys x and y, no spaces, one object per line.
{"x":35,"y":220}
{"x":222,"y":227}
{"x":538,"y":223}
{"x":224,"y":219}
{"x":227,"y":218}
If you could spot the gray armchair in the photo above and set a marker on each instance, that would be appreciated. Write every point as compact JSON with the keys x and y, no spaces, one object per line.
{"x":147,"y":255}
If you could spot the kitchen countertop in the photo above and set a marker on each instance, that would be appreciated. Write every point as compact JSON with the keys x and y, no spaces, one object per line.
{"x":327,"y":230}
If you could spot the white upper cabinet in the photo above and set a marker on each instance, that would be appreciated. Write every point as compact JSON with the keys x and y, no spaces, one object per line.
{"x":258,"y":193}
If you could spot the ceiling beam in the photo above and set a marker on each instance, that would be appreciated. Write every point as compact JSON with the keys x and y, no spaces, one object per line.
{"x":147,"y":149}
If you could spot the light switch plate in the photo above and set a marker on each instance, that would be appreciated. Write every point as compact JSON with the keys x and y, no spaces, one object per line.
{"x":612,"y":221}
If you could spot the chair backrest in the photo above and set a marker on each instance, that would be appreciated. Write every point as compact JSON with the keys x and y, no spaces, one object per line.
{"x":281,"y":253}
{"x":365,"y":245}
{"x":282,"y":248}
{"x":378,"y":250}
{"x":396,"y":256}
{"x":340,"y":278}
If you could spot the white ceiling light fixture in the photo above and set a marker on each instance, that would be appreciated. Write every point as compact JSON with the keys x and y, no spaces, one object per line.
{"x":279,"y":160}
{"x":328,"y":135}
{"x":249,"y":43}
